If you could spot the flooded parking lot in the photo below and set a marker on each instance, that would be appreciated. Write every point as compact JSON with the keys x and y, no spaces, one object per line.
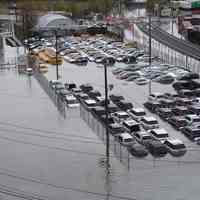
{"x":46,"y":156}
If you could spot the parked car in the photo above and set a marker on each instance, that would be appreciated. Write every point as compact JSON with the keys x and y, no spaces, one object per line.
{"x":164,"y":79}
{"x":142,"y":137}
{"x":86,"y":87}
{"x":186,"y":93}
{"x":137,"y":113}
{"x":164,"y":113}
{"x":192,"y":132}
{"x":189,"y":76}
{"x":131,"y":125}
{"x":120,"y":116}
{"x":137,"y":150}
{"x":115,"y":98}
{"x":192,"y":119}
{"x":156,"y":148}
{"x":183,"y":101}
{"x":180,"y":111}
{"x":89,"y":103}
{"x":124,"y":105}
{"x":178,"y":122}
{"x":149,"y":122}
{"x":159,"y":134}
{"x":141,"y":81}
{"x":194,"y":109}
{"x":94,"y":93}
{"x":155,"y":96}
{"x":116,"y":129}
{"x":71,"y":101}
{"x":125,"y":139}
{"x":175,"y":147}
{"x":152,"y":106}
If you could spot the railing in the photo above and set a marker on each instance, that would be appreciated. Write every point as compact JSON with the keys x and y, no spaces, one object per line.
{"x":169,"y":48}
{"x":44,"y":83}
{"x":119,"y":150}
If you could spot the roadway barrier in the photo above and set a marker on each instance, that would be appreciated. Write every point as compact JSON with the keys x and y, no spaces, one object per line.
{"x":176,"y":52}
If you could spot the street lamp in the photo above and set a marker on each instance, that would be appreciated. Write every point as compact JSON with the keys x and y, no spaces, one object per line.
{"x":106,"y":110}
{"x":149,"y":15}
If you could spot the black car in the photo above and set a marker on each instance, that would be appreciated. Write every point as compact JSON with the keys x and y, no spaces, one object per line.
{"x":115,"y":128}
{"x":166,"y":103}
{"x":86,"y":87}
{"x":98,"y":111}
{"x":164,"y":113}
{"x":189,"y":76}
{"x":82,"y":96}
{"x":137,"y":150}
{"x":115,"y":98}
{"x":152,"y":106}
{"x":191,"y":85}
{"x":70,"y":86}
{"x":192,"y":132}
{"x":194,"y":109}
{"x":177,"y":122}
{"x":94,"y":93}
{"x":124,"y":105}
{"x":180,"y":111}
{"x":156,"y":148}
{"x":103,"y":119}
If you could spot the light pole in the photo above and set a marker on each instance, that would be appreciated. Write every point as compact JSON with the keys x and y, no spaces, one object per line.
{"x":106,"y":110}
{"x":150,"y":50}
{"x":56,"y":35}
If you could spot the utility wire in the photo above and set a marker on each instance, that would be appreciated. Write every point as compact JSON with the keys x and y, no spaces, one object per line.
{"x":34,"y":180}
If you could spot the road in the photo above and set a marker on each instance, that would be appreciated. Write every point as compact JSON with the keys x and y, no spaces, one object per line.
{"x":182,"y":46}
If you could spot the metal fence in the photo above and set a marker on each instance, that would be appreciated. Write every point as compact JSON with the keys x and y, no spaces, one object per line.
{"x":119,"y":150}
{"x":44,"y":83}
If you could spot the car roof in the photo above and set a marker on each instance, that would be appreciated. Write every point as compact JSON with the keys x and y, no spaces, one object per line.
{"x":121,"y":113}
{"x":131,"y":122}
{"x":126,"y":135}
{"x":149,"y":118}
{"x":174,"y":141}
{"x":90,"y":101}
{"x":160,"y":131}
{"x":138,"y":109}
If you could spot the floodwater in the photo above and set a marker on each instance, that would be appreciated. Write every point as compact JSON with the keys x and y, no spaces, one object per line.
{"x":46,"y":156}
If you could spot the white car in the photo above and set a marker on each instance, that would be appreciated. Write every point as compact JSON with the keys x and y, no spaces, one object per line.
{"x":175,"y":147}
{"x":149,"y":123}
{"x":137,"y":113}
{"x":120,"y":116}
{"x":71,"y":101}
{"x":159,"y":134}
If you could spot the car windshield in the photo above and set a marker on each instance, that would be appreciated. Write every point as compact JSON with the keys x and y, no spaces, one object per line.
{"x":146,"y":137}
{"x":163,"y":135}
{"x":152,"y":122}
{"x":128,"y":140}
{"x":178,"y":146}
{"x":124,"y":116}
{"x":73,"y":101}
{"x":139,"y":113}
{"x":196,"y":120}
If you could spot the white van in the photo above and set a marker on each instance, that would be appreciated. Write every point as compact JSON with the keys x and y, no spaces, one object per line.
{"x":125,"y":139}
